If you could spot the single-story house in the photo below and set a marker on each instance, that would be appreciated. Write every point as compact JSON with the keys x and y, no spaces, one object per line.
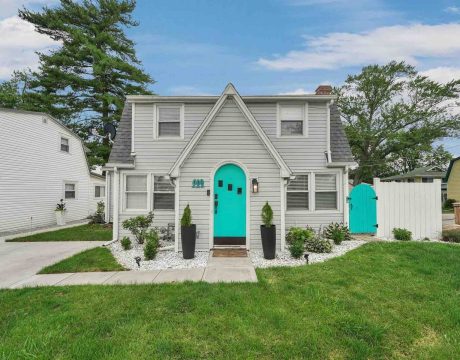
{"x":226,"y":156}
{"x":453,"y":179}
{"x":42,"y":162}
{"x":423,"y":175}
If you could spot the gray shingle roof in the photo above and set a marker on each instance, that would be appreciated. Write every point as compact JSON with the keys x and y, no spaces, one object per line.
{"x":340,"y":148}
{"x":428,"y":171}
{"x":121,"y":149}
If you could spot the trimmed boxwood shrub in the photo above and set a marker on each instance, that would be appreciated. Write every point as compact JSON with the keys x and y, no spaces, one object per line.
{"x":126,"y":243}
{"x":317,"y":244}
{"x":451,"y":236}
{"x":402,"y":234}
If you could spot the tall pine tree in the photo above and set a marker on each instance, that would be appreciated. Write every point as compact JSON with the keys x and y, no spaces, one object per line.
{"x":85,"y":80}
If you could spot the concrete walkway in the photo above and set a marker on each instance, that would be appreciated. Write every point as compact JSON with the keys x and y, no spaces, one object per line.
{"x":218,"y":270}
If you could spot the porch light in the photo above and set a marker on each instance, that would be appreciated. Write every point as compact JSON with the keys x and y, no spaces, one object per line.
{"x":255,"y":186}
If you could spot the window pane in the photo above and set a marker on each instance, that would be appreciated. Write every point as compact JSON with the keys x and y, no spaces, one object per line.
{"x":162,"y":184}
{"x":97,"y":191}
{"x":326,"y":200}
{"x":163,"y":201}
{"x":291,"y":127}
{"x":136,"y":183}
{"x":65,"y":144}
{"x":136,"y":200}
{"x":325,"y":182}
{"x":299,"y":183}
{"x":169,"y":129}
{"x":169,"y":114}
{"x":297,"y":201}
{"x":291,"y":112}
{"x":102,"y":191}
{"x":70,"y":187}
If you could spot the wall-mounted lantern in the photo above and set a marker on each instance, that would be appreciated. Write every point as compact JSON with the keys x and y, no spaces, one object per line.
{"x":255,"y":185}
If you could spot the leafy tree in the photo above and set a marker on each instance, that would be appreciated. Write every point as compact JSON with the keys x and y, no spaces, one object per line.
{"x":391,"y":108}
{"x":16,"y":92}
{"x":84,"y":81}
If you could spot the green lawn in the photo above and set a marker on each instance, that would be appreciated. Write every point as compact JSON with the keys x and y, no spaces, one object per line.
{"x":380,"y":301}
{"x":96,"y":259}
{"x":77,"y":233}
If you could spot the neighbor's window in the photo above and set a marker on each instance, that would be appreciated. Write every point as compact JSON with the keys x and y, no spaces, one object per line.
{"x":169,"y":121}
{"x":297,"y":193}
{"x":69,"y":191}
{"x":136,"y":192}
{"x":427,"y":180}
{"x":163,"y":194}
{"x":292,"y":120}
{"x":99,"y":191}
{"x":325,"y":192}
{"x":64,"y":144}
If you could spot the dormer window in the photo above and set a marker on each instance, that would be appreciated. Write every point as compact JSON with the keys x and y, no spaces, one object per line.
{"x":292,"y":120}
{"x":64,"y":144}
{"x":169,"y":121}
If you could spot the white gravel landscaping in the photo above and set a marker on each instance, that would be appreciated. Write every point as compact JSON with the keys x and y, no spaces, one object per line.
{"x":165,"y":259}
{"x":285,"y":259}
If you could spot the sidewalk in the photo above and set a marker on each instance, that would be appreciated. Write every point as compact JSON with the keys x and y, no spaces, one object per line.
{"x":217,"y":270}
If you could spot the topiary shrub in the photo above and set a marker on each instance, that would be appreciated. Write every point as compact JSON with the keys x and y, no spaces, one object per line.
{"x":402,"y":234}
{"x":317,"y":244}
{"x":186,"y":219}
{"x":139,"y":226}
{"x":267,"y":215}
{"x":126,"y":243}
{"x":451,"y":236}
{"x":333,"y":231}
{"x":151,"y":245}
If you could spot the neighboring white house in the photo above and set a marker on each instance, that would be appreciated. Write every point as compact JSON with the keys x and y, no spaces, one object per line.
{"x":42,"y":162}
{"x":226,"y":156}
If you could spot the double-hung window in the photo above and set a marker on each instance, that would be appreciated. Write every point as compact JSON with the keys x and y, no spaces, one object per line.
{"x":163,"y":194}
{"x":325,"y":192}
{"x":136,"y":192}
{"x":292,"y":120}
{"x":64,"y":144}
{"x":99,"y":191}
{"x":169,"y":118}
{"x":297,"y":193}
{"x":69,"y":191}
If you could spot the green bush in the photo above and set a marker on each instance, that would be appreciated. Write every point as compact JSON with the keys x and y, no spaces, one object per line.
{"x":296,"y":238}
{"x":337,"y":232}
{"x":151,"y":245}
{"x":317,"y":244}
{"x":99,"y":216}
{"x":449,"y":204}
{"x":186,"y":219}
{"x":297,"y":249}
{"x":402,"y":234}
{"x":451,"y":236}
{"x":139,"y":226}
{"x":267,"y":215}
{"x":126,"y":243}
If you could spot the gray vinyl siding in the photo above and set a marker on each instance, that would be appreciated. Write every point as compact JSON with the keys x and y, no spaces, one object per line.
{"x":230,"y":137}
{"x":314,"y":220}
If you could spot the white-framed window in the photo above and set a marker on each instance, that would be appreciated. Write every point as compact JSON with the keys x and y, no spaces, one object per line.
{"x":163,"y":193}
{"x":136,"y":192}
{"x":169,"y":121}
{"x":292,"y":120}
{"x":70,"y":190}
{"x":65,"y":144}
{"x":297,"y":194}
{"x":99,"y":191}
{"x":326,"y":193}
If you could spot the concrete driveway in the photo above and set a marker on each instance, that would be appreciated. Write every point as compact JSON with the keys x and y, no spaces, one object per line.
{"x":21,"y":260}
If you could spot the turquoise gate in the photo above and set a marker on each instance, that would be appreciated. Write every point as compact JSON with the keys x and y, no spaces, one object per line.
{"x":362,"y":203}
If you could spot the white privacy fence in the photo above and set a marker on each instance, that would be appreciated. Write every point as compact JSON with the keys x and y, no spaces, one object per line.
{"x":413,"y":206}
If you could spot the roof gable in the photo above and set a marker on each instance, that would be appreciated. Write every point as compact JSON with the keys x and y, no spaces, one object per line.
{"x":449,"y":170}
{"x":230,"y":92}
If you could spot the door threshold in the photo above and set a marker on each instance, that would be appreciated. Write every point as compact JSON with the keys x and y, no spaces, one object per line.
{"x":220,"y":247}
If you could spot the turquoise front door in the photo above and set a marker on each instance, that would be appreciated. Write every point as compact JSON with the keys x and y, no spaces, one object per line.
{"x":362,"y":203}
{"x":229,"y":206}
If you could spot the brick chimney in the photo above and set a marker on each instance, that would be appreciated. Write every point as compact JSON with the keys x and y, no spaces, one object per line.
{"x":324,"y":90}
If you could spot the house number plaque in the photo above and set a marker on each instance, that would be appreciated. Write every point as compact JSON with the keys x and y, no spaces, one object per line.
{"x":198,"y":183}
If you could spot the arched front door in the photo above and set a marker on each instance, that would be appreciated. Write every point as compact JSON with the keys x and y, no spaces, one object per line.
{"x":229,"y":206}
{"x":363,"y":209}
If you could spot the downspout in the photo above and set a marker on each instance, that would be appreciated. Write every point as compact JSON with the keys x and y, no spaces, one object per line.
{"x":328,"y":132}
{"x":346,"y":219}
{"x":116,"y":202}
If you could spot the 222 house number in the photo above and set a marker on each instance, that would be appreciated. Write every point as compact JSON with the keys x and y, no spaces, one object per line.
{"x":198,"y":183}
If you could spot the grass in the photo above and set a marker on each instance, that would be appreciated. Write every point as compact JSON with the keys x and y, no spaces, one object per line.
{"x":380,"y":301}
{"x":97,"y":259}
{"x":76,"y":233}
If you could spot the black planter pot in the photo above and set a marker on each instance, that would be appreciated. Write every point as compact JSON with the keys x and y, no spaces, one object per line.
{"x":268,"y":241}
{"x":188,"y":241}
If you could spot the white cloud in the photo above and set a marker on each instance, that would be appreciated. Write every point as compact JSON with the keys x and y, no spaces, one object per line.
{"x":452,"y":9}
{"x":377,"y":46}
{"x":18,"y":45}
{"x":10,"y":7}
{"x":442,"y":74}
{"x":298,"y":91}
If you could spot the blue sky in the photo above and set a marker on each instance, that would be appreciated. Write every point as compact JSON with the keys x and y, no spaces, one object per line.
{"x":195,"y":47}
